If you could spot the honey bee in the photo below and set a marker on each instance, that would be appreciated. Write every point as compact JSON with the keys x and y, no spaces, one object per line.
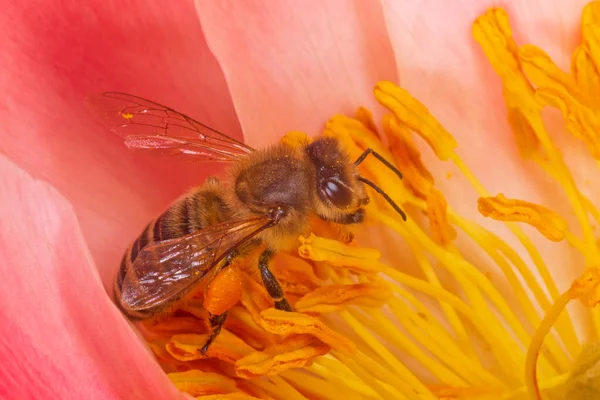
{"x":266,"y":201}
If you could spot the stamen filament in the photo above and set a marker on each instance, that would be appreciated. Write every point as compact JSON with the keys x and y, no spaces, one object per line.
{"x":277,"y":388}
{"x":537,"y":340}
{"x":403,"y":373}
{"x":340,"y":375}
{"x":438,"y":342}
{"x":543,"y":384}
{"x":316,"y":387}
{"x":392,"y":334}
{"x":505,"y":354}
{"x":357,"y":368}
{"x":458,"y":266}
{"x":517,"y":231}
{"x":591,"y":251}
{"x":590,"y":207}
{"x":490,"y":243}
{"x":448,"y":310}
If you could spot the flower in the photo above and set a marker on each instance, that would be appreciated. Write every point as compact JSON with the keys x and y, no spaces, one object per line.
{"x":432,"y":315}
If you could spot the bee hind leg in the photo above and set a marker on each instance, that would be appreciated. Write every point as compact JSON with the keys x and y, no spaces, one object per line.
{"x":216,"y":323}
{"x":270,"y":281}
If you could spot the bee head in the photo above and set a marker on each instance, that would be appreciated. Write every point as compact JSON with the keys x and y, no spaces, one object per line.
{"x":339,"y":194}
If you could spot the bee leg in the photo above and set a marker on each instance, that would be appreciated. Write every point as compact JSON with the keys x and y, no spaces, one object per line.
{"x":216,"y":323}
{"x":221,"y":283}
{"x":270,"y":281}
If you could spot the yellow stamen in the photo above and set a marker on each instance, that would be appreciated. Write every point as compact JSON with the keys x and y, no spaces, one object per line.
{"x":536,"y":344}
{"x":558,"y":89}
{"x":337,"y":297}
{"x":359,"y":260}
{"x":441,"y":231}
{"x":342,"y":377}
{"x":279,"y":388}
{"x":405,"y":153}
{"x":527,"y":142}
{"x":365,"y":116}
{"x":228,"y":396}
{"x":285,"y":323}
{"x":546,"y":221}
{"x":198,"y":383}
{"x":586,"y":76}
{"x":226,"y":347}
{"x":294,"y":352}
{"x":587,"y":287}
{"x":314,"y":387}
{"x":417,"y":117}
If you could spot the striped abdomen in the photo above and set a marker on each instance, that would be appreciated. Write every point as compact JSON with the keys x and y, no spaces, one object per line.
{"x":202,"y":207}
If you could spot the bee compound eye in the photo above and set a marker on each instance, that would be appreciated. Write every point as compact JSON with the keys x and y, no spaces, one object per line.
{"x":336,"y":192}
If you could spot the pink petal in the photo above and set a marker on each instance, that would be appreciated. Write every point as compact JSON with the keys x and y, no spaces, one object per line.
{"x":57,"y":53}
{"x":61,"y":335}
{"x":292,"y":65}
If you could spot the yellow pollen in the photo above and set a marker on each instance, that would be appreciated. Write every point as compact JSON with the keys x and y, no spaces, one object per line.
{"x":295,"y":139}
{"x":127,"y":116}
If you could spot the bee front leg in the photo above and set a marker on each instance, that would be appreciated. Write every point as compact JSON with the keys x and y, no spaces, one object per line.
{"x":270,"y":281}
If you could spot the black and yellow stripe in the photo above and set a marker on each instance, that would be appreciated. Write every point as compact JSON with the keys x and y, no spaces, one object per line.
{"x":204,"y":206}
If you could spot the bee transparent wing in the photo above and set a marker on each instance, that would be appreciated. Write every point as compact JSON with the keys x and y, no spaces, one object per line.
{"x":146,"y":125}
{"x":166,"y":269}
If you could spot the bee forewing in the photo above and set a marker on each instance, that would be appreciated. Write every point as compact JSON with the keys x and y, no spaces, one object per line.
{"x":146,"y":125}
{"x":166,"y":270}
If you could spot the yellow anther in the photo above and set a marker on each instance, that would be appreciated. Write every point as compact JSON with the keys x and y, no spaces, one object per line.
{"x":416,"y":116}
{"x":294,"y":352}
{"x":337,"y":297}
{"x":527,"y":142}
{"x":417,"y":177}
{"x":546,"y":221}
{"x":590,"y":29}
{"x":365,"y":116}
{"x":293,"y":323}
{"x":586,"y":75}
{"x":587,"y":287}
{"x":493,"y":33}
{"x":558,"y":89}
{"x":437,"y":211}
{"x":339,"y":255}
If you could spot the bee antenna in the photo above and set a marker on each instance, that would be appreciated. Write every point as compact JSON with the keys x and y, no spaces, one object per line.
{"x":385,"y":196}
{"x":378,"y":156}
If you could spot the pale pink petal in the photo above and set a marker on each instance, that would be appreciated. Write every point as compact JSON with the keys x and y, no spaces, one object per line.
{"x":291,"y":65}
{"x":440,"y":63}
{"x":62,"y":338}
{"x":54,"y":54}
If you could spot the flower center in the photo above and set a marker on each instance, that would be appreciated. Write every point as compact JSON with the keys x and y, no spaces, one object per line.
{"x":363,"y":329}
